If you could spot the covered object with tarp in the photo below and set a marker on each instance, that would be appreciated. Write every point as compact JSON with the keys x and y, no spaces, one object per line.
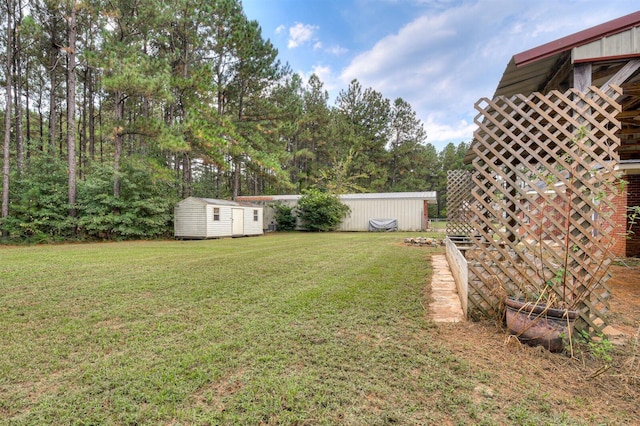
{"x":383,"y":225}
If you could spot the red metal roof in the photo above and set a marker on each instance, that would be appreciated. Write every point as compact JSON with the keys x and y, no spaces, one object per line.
{"x":582,"y":37}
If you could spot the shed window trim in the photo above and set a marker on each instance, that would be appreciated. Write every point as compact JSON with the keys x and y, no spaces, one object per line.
{"x":216,"y":214}
{"x":255,"y":215}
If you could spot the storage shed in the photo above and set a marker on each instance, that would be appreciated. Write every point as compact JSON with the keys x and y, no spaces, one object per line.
{"x":410,"y":209}
{"x":200,"y":218}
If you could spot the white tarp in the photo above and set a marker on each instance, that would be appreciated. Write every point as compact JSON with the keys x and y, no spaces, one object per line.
{"x":383,"y":224}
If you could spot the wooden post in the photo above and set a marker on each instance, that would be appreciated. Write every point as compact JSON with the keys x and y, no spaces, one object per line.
{"x":582,"y":76}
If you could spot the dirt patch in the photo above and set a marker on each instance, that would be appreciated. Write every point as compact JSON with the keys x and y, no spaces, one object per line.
{"x":625,"y":300}
{"x":214,"y":394}
{"x":584,"y":386}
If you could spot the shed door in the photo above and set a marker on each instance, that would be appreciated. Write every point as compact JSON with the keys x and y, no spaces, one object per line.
{"x":237,"y":221}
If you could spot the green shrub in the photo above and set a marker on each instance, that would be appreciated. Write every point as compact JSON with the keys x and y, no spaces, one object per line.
{"x":39,"y":208}
{"x":321,"y":211}
{"x":285,"y":219}
{"x":143,"y":210}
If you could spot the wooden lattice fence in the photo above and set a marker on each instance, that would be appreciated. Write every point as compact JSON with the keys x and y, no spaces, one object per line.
{"x":542,"y":194}
{"x":459,"y":185}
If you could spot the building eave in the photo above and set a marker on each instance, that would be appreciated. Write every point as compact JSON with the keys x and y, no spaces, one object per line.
{"x":577,"y":39}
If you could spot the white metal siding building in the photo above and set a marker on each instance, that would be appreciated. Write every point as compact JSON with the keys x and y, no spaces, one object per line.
{"x":409,"y":208}
{"x":198,"y":218}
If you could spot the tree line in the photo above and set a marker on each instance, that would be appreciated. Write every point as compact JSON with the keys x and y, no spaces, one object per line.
{"x":114,"y":110}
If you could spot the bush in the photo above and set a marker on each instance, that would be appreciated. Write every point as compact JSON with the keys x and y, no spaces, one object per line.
{"x":143,"y":210}
{"x":285,"y":219}
{"x":39,"y":209}
{"x":321,"y":211}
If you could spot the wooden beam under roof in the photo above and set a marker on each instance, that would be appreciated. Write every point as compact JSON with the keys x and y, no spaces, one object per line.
{"x":606,"y":70}
{"x":622,"y":75}
{"x":628,"y":114}
{"x":631,"y":89}
{"x":559,"y":73}
{"x":629,"y":153}
{"x":629,"y":131}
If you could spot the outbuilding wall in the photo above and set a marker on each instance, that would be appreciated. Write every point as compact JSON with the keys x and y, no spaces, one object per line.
{"x":188,"y":219}
{"x":194,"y":218}
{"x":218,"y":228}
{"x":269,"y":216}
{"x":409,"y":213}
{"x":410,"y":209}
{"x":251,"y":226}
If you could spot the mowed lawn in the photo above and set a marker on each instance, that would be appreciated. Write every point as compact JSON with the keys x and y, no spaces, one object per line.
{"x":287,"y":328}
{"x":283,"y":329}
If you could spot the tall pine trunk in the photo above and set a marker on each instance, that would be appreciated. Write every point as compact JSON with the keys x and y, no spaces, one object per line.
{"x":90,"y":82}
{"x":92,"y":119}
{"x":41,"y":143}
{"x":53,"y":111}
{"x":236,"y":179}
{"x":7,"y":118}
{"x":117,"y":142}
{"x":71,"y":110}
{"x":82,"y":154}
{"x":237,"y":159}
{"x":28,"y":111}
{"x":17,"y":60}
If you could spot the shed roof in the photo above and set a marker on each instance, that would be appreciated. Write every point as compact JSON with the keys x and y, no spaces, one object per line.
{"x":218,"y":202}
{"x":426,"y":195}
{"x":429,"y":196}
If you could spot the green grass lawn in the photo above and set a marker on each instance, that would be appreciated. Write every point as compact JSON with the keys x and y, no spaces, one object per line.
{"x":439,"y":226}
{"x":287,"y":328}
{"x":283,"y":329}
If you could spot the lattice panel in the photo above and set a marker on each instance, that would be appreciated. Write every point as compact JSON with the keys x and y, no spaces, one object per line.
{"x":459,"y":220}
{"x":543,"y":190}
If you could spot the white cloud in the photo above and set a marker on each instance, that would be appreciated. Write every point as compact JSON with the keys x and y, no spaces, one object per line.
{"x":337,"y":50}
{"x":326,"y":75}
{"x":317,"y":46}
{"x":323,"y":72}
{"x":300,"y":34}
{"x":439,"y":132}
{"x":443,"y":61}
{"x":436,"y":64}
{"x":431,"y":41}
{"x":280,"y":29}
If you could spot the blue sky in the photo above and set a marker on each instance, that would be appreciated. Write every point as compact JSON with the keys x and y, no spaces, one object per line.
{"x":439,"y":55}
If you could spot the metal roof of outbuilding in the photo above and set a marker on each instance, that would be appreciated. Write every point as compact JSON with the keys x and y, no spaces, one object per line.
{"x":430,"y":196}
{"x":218,"y":202}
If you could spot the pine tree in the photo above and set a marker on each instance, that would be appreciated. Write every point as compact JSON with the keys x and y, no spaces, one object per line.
{"x":364,"y":122}
{"x":7,"y":116}
{"x":71,"y":107}
{"x":406,"y":163}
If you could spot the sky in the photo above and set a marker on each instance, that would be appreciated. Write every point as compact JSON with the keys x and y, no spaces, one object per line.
{"x":441,"y":56}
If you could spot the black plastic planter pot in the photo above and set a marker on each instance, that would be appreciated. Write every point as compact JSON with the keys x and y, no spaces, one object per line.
{"x":539,"y":325}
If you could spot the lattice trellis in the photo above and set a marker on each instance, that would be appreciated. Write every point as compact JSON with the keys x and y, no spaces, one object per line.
{"x":459,"y":185}
{"x":543,"y":191}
